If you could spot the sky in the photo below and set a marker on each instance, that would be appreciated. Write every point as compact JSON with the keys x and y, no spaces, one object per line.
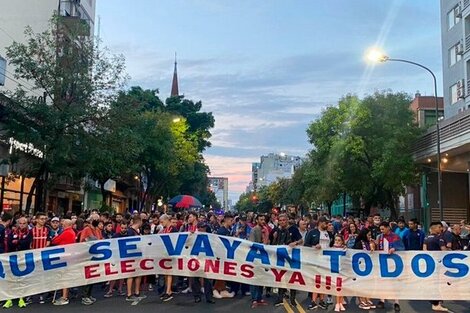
{"x":267,"y":69}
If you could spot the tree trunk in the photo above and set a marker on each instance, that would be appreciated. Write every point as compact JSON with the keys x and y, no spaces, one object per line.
{"x":104,"y":194}
{"x":329,"y":204}
{"x":393,"y":209}
{"x":34,"y":188}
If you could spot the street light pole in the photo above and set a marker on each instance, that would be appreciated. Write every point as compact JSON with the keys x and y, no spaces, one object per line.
{"x":438,"y":132}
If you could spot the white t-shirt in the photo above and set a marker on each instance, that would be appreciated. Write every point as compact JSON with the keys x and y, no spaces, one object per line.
{"x":324,"y":239}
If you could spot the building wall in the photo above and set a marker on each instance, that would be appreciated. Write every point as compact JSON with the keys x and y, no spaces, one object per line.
{"x":275,"y":166}
{"x":16,"y":15}
{"x":456,"y":72}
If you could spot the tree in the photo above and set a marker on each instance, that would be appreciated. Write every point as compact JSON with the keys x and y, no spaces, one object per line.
{"x":112,"y":146}
{"x":76,"y":82}
{"x":362,"y":147}
{"x":199,"y":123}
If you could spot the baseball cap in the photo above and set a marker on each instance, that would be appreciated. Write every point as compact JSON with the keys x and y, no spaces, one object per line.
{"x":55,"y":219}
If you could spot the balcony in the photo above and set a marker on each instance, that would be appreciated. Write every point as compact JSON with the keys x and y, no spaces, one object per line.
{"x":468,"y":89}
{"x":454,"y":133}
{"x":466,"y":3}
{"x":467,"y":42}
{"x":75,"y":17}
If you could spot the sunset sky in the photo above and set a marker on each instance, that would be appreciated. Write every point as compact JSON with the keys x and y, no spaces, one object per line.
{"x":266,"y":69}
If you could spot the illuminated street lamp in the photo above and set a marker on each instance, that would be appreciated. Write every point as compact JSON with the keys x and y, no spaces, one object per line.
{"x":377,"y":56}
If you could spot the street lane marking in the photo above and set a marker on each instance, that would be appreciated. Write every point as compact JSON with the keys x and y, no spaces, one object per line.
{"x":299,"y":307}
{"x":287,"y":306}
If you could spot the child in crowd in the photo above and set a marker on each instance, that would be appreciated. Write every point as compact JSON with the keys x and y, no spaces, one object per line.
{"x":339,"y":243}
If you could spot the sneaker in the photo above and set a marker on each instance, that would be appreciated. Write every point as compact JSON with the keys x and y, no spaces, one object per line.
{"x":278,"y":303}
{"x":337,"y":308}
{"x":247,"y":293}
{"x":216,"y":294}
{"x":122,"y":293}
{"x":41,"y":300}
{"x":322,"y":305}
{"x":8,"y":304}
{"x":87,"y":301}
{"x":109,"y":294}
{"x":329,"y":300}
{"x":29,"y":300}
{"x":380,"y":305}
{"x":92,"y":299}
{"x":262,"y":302}
{"x":312,"y":306}
{"x":61,"y":301}
{"x":140,"y":296}
{"x":197,"y":299}
{"x":371,"y":304}
{"x":254,"y":304}
{"x":341,"y":307}
{"x":21,"y":303}
{"x":226,"y":294}
{"x":396,"y":307}
{"x":167,"y":297}
{"x":364,"y":306}
{"x":187,"y":290}
{"x":439,"y":308}
{"x":150,"y":287}
{"x":131,"y":298}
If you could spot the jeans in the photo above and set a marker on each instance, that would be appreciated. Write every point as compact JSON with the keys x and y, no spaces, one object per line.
{"x":256,"y":293}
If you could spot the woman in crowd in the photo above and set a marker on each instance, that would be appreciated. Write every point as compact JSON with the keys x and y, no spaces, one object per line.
{"x":364,"y":242}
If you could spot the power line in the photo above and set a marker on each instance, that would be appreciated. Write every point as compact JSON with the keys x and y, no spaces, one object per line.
{"x":19,"y":83}
{"x":6,"y":33}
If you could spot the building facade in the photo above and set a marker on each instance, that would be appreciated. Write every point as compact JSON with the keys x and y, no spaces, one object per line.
{"x":219,"y":186}
{"x":16,"y":16}
{"x":273,"y":167}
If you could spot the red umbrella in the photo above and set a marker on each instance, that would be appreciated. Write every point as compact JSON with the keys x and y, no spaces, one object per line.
{"x":185,"y":202}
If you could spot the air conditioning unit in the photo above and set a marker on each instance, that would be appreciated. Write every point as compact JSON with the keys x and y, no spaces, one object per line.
{"x":459,"y":48}
{"x":458,"y":11}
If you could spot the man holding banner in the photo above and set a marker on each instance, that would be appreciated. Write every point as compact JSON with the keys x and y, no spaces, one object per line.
{"x":19,"y":240}
{"x":435,"y":242}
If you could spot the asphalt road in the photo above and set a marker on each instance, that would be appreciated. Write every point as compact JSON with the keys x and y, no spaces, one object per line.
{"x":185,"y":304}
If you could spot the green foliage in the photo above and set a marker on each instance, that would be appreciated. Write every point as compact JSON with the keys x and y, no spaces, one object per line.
{"x":361,"y":147}
{"x":73,"y":82}
{"x":87,"y":126}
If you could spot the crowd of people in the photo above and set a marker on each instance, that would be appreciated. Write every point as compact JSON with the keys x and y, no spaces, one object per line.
{"x":20,"y":232}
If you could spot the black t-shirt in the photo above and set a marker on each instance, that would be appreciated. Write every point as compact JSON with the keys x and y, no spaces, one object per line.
{"x":295,"y":234}
{"x":434,"y":242}
{"x":223,"y":231}
{"x":2,"y":238}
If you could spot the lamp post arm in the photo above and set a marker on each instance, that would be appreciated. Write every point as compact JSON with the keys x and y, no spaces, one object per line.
{"x":438,"y":133}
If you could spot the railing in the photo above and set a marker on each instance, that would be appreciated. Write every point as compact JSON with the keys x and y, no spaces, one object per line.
{"x":467,"y":41}
{"x":448,"y":131}
{"x":468,"y":87}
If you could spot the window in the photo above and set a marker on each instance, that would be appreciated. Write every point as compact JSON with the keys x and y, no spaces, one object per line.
{"x":454,"y":57}
{"x":452,"y":18}
{"x":453,"y":94}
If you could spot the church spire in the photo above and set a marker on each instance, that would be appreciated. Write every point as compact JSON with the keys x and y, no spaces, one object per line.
{"x":174,"y":84}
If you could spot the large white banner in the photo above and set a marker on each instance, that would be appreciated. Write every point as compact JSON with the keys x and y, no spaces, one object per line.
{"x":404,"y":275}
